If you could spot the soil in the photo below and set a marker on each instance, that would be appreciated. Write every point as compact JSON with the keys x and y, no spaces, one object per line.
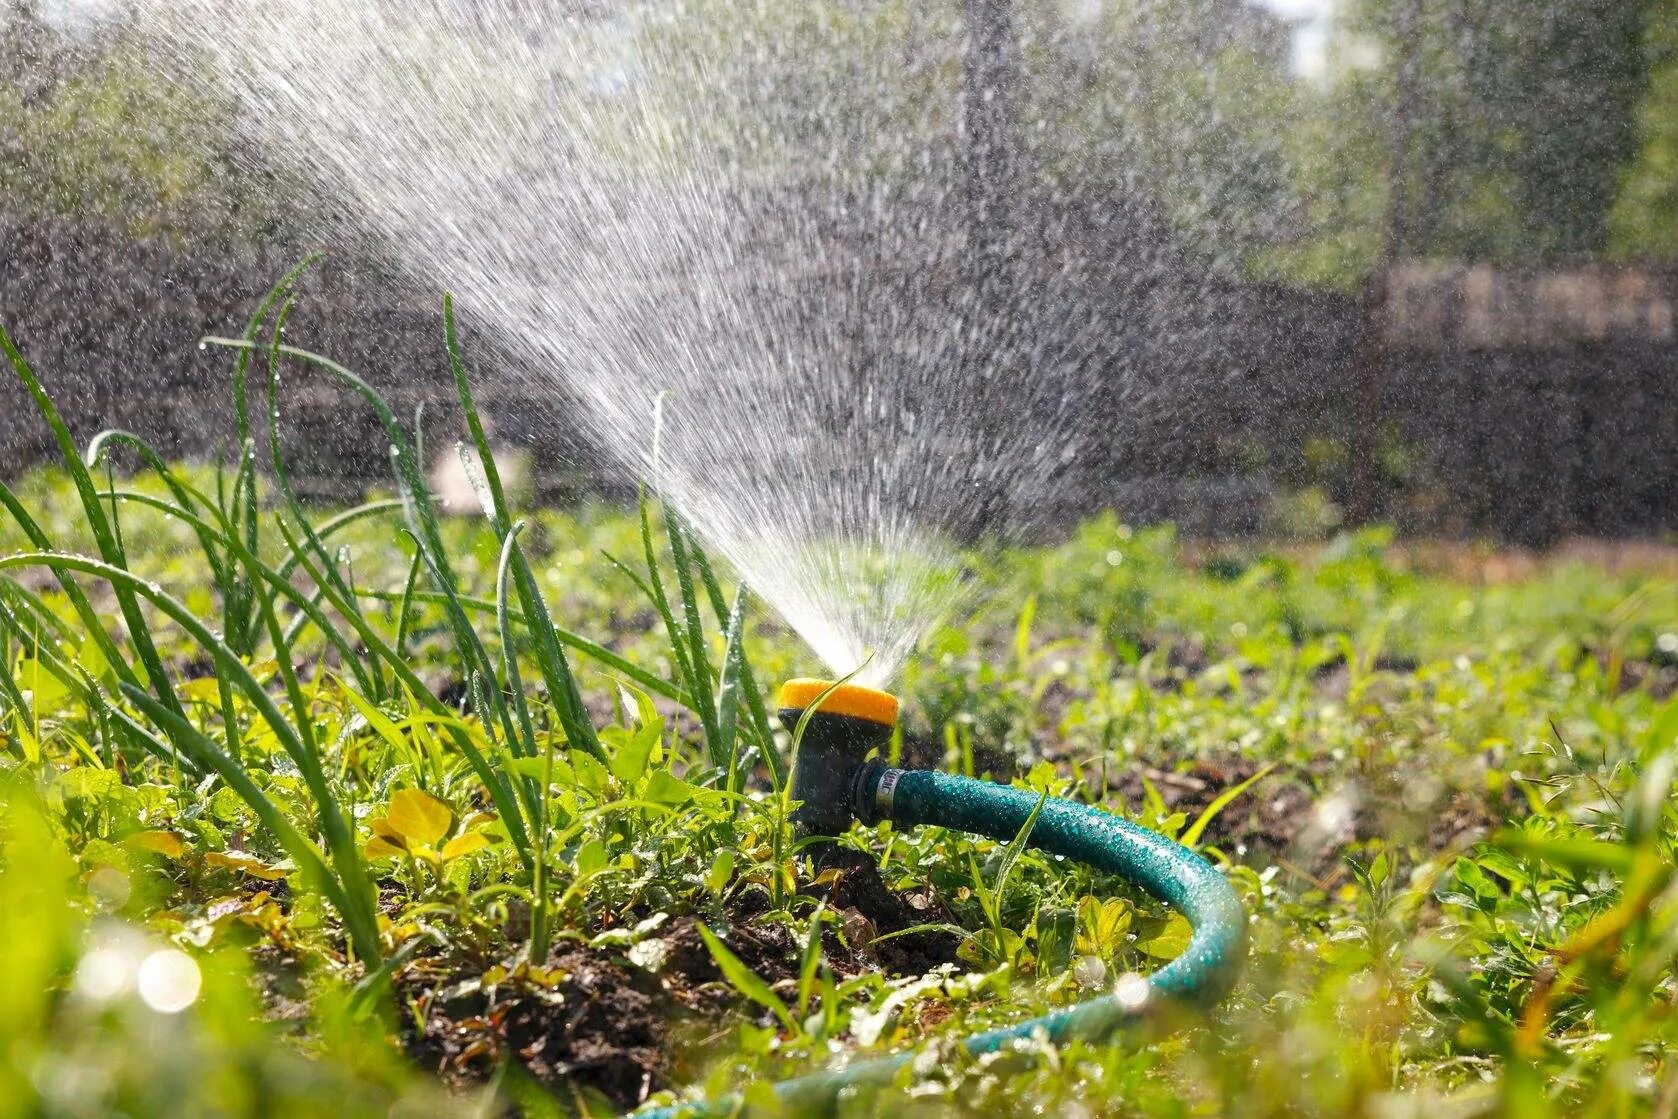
{"x":1284,"y":818}
{"x":279,"y":978}
{"x":587,"y":1021}
{"x":591,"y":1021}
{"x":765,"y":947}
{"x":869,"y":910}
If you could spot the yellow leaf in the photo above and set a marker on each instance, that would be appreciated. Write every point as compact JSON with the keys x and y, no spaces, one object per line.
{"x":419,"y":816}
{"x":249,"y":864}
{"x":30,"y":744}
{"x":382,"y":828}
{"x":204,"y":689}
{"x":381,"y":848}
{"x":464,"y":845}
{"x":165,"y":843}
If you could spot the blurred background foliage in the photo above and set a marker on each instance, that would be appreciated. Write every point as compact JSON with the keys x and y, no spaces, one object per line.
{"x":1505,"y":131}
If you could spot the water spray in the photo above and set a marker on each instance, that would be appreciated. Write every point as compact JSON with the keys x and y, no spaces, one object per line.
{"x":837,"y":778}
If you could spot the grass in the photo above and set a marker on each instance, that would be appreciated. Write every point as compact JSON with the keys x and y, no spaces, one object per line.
{"x":371,"y":810}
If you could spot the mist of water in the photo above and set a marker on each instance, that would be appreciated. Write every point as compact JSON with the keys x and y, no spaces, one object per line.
{"x":764,"y":215}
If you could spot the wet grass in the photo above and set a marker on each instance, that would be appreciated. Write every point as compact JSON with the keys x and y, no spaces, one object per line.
{"x":373,"y":809}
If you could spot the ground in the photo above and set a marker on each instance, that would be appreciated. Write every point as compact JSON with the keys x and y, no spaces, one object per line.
{"x":363,"y":840}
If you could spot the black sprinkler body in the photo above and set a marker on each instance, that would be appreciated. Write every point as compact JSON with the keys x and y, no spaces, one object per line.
{"x":832,"y":764}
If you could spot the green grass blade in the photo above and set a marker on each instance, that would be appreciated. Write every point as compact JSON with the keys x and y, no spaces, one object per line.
{"x":243,"y":511}
{"x":748,"y":679}
{"x":745,"y":980}
{"x":536,"y":792}
{"x":91,"y":622}
{"x":1191,"y":837}
{"x":551,"y":659}
{"x":480,"y":438}
{"x":369,"y":679}
{"x":359,"y":921}
{"x":1011,"y":853}
{"x":295,"y":740}
{"x":409,"y":471}
{"x":43,"y":653}
{"x":728,"y":690}
{"x":593,"y":650}
{"x":694,"y":631}
{"x":405,"y":609}
{"x":336,"y":524}
{"x":308,"y":607}
{"x":139,"y":632}
{"x":513,"y":680}
{"x":652,"y":584}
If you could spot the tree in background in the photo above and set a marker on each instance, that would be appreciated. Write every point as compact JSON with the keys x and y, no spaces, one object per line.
{"x":89,"y":131}
{"x":1644,"y":221}
{"x":1553,"y":91}
{"x":1183,"y":105}
{"x":1520,"y":120}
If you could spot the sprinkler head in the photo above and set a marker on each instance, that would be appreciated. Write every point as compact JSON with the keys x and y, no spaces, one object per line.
{"x":849,"y":721}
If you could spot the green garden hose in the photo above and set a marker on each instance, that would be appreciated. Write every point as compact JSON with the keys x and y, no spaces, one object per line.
{"x":835,"y":783}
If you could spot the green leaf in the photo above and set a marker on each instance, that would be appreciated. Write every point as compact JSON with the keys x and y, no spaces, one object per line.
{"x":591,"y":775}
{"x":664,"y":787}
{"x":47,"y":694}
{"x":1171,"y":941}
{"x":1648,"y":801}
{"x":721,"y":872}
{"x":537,"y":768}
{"x":1056,"y":931}
{"x":591,"y":858}
{"x":1011,"y":855}
{"x":728,"y":689}
{"x":377,"y":721}
{"x":1102,"y":926}
{"x":812,"y":958}
{"x":1022,"y":633}
{"x":633,"y":751}
{"x":1663,"y":732}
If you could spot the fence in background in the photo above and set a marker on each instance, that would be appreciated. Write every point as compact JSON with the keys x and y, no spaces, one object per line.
{"x":1530,"y":405}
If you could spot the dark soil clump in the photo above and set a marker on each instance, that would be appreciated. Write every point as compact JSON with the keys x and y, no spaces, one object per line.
{"x":872,"y":910}
{"x":766,"y":948}
{"x":585,"y":1020}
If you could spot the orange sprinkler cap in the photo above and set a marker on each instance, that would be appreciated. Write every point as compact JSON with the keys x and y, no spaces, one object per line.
{"x":852,"y":700}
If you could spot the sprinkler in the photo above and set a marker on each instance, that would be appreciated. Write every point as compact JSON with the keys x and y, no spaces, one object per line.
{"x":837,"y":781}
